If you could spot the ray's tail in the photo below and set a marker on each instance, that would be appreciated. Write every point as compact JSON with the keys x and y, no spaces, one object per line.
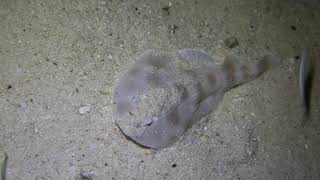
{"x":237,"y":74}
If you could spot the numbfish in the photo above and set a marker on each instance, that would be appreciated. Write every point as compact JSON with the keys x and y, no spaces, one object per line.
{"x":163,"y":94}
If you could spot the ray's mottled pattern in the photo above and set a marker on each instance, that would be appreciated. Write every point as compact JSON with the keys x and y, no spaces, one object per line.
{"x":174,"y":91}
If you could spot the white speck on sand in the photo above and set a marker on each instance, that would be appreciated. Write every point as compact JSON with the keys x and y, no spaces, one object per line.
{"x":84,"y":109}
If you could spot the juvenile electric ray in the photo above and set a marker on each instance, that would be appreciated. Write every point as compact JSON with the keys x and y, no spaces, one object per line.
{"x":163,"y":94}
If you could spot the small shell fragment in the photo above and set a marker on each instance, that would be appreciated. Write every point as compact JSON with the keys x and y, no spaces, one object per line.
{"x":84,"y":109}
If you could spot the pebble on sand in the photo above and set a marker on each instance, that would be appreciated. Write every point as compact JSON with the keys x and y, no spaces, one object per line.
{"x":204,"y":138}
{"x":231,"y":42}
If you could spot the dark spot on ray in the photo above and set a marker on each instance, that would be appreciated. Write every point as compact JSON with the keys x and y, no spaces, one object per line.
{"x":174,"y":165}
{"x":212,"y":78}
{"x":293,"y":28}
{"x":184,"y":94}
{"x":174,"y":117}
{"x":202,"y":93}
{"x":155,"y":79}
{"x":230,"y":68}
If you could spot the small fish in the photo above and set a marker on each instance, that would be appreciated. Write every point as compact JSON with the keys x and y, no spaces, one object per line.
{"x":306,"y":75}
{"x":4,"y":167}
{"x":175,"y":90}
